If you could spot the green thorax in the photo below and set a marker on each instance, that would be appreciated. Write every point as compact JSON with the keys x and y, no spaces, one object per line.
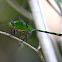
{"x":19,"y":25}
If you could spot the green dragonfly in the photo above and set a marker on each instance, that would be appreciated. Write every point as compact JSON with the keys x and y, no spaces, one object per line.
{"x":26,"y":29}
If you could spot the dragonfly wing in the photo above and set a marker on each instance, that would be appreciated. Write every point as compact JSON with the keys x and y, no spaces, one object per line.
{"x":22,"y":21}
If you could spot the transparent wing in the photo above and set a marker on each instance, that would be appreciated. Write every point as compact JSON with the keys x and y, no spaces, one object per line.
{"x":22,"y":21}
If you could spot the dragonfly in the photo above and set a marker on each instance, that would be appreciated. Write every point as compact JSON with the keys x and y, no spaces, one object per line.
{"x":24,"y":28}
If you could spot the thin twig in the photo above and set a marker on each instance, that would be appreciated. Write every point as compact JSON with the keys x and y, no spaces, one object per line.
{"x":53,"y":7}
{"x":20,"y":9}
{"x":38,"y":51}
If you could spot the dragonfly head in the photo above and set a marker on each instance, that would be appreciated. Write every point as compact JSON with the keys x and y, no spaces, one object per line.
{"x":11,"y":24}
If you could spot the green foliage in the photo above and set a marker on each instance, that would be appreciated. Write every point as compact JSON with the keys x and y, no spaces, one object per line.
{"x":59,"y":2}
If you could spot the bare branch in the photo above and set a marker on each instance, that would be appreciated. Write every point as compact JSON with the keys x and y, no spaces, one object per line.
{"x":20,"y":9}
{"x":38,"y":51}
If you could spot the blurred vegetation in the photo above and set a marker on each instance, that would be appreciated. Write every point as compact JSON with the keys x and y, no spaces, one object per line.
{"x":24,"y":3}
{"x":9,"y":48}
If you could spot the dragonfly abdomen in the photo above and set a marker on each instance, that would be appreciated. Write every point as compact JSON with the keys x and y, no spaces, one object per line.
{"x":48,"y":32}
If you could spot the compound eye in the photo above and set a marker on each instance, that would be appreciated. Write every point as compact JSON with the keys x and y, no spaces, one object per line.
{"x":12,"y":22}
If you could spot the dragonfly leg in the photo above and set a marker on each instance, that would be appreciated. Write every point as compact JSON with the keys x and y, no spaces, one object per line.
{"x":13,"y":31}
{"x":25,"y":38}
{"x":21,"y":44}
{"x":27,"y":35}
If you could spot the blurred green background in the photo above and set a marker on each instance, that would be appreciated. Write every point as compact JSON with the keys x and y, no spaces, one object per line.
{"x":9,"y":48}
